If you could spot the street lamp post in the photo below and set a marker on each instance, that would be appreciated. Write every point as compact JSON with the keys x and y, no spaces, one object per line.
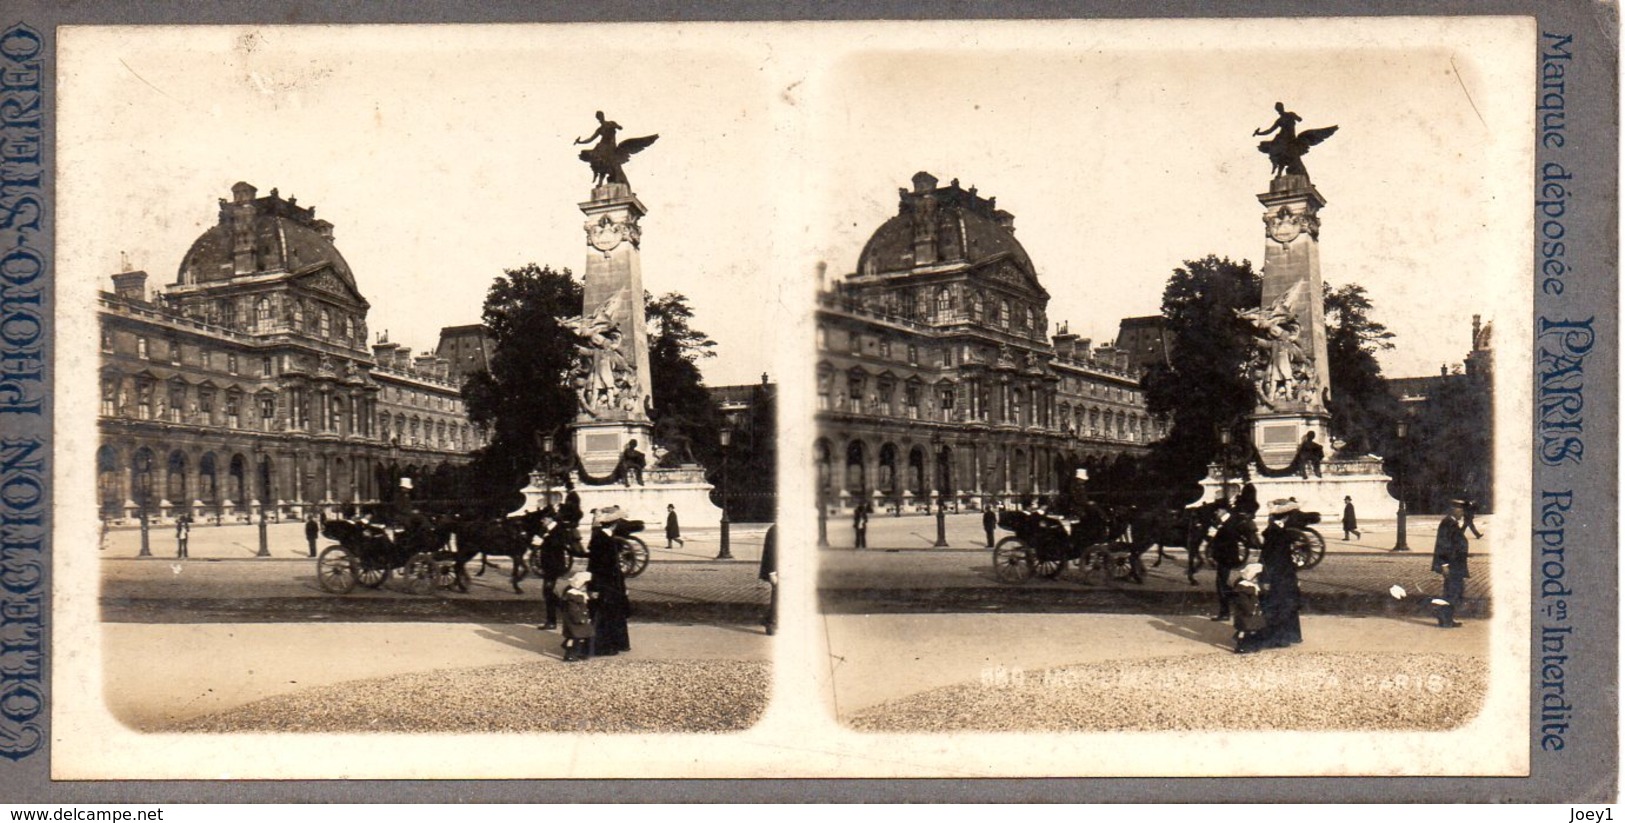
{"x":1399,"y":540}
{"x":261,"y":469}
{"x":144,"y":484}
{"x":823,"y":518}
{"x":547,"y":469}
{"x":725,"y":436}
{"x":942,"y":502}
{"x":1224,"y":463}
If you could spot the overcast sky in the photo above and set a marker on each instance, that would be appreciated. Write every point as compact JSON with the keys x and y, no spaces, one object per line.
{"x":443,"y":156}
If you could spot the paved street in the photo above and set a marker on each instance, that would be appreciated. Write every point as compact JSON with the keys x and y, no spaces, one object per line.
{"x":224,"y":581}
{"x":902,"y":573}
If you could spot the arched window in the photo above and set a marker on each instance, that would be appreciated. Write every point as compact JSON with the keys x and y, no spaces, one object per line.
{"x":1032,"y":321}
{"x":943,"y":303}
{"x":299,"y":315}
{"x":326,"y":327}
{"x":262,"y":314}
{"x":976,"y":308}
{"x":349,"y":328}
{"x":1004,"y":315}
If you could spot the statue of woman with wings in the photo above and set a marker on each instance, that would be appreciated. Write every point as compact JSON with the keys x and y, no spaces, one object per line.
{"x":607,"y":158}
{"x":1287,"y":148}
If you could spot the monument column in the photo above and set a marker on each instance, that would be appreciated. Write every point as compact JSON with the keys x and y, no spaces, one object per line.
{"x":614,"y":395}
{"x":1289,"y":367}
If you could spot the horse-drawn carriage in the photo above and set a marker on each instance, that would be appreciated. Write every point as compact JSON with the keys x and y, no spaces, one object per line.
{"x":1043,"y":545}
{"x":369,"y":555}
{"x":1106,"y":543}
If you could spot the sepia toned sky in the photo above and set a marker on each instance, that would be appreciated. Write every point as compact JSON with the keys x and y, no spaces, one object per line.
{"x":443,"y":156}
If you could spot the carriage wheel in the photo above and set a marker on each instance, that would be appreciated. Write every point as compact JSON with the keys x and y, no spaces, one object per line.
{"x":1094,"y":565}
{"x":371,"y":577}
{"x":1308,"y":548}
{"x":335,"y":570}
{"x":1049,"y":568}
{"x":420,"y":573}
{"x":1012,"y":562}
{"x":634,"y":556}
{"x":444,"y":572}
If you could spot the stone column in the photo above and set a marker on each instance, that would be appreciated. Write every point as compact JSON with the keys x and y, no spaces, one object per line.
{"x":612,"y":303}
{"x":1288,"y":410}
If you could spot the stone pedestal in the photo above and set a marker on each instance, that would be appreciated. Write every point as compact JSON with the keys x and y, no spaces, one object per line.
{"x":1360,"y":478}
{"x":599,"y":444}
{"x":683,"y":487}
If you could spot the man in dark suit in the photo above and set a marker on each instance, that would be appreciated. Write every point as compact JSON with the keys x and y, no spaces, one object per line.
{"x":311,"y":531}
{"x":990,"y":521}
{"x":551,"y":541}
{"x":768,"y":572}
{"x":860,"y":526}
{"x":1225,"y":539}
{"x":1450,"y":560}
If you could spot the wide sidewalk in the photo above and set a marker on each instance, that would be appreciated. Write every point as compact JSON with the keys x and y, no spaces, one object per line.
{"x":964,"y":531}
{"x":878,"y":658}
{"x":212,"y":667}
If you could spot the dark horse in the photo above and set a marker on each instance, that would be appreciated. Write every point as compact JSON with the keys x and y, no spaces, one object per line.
{"x":503,"y":537}
{"x":1166,"y":527}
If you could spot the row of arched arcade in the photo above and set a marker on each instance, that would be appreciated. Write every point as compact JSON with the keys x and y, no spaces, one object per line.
{"x":903,"y":475}
{"x":222,"y":484}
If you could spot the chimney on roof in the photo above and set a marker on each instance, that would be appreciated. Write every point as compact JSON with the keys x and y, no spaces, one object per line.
{"x":323,"y":228}
{"x":242,"y":192}
{"x":924,"y":182}
{"x":131,"y":285}
{"x":1006,"y":220}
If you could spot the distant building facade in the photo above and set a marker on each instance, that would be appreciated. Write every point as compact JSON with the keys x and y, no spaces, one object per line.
{"x":247,"y":384}
{"x":936,"y":374}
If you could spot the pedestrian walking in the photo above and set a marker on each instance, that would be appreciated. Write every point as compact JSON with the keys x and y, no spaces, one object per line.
{"x":1249,"y":616}
{"x":552,"y":542}
{"x":768,"y":571}
{"x":1281,"y":599}
{"x":183,"y":532}
{"x":1450,"y":560}
{"x":608,"y":585}
{"x":674,"y":533}
{"x":311,"y":531}
{"x":1225,"y":539}
{"x":990,"y":521}
{"x":579,"y":627}
{"x":1351,"y":524}
{"x":860,"y":525}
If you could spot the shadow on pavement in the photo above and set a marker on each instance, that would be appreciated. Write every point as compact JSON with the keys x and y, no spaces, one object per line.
{"x":1216,"y":633}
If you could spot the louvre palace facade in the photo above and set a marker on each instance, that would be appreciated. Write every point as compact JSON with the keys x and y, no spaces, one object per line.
{"x":248,"y":383}
{"x":937,"y":374}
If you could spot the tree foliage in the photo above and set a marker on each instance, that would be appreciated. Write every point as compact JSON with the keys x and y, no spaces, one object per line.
{"x":686,"y":418}
{"x":1201,"y":386}
{"x":1447,"y":451}
{"x":526,"y":392}
{"x":1363,"y":408}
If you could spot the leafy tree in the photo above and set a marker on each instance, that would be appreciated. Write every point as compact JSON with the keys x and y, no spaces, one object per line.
{"x":686,"y":418}
{"x":526,"y":392}
{"x":1362,"y":407}
{"x":1202,"y":385}
{"x":1447,"y":452}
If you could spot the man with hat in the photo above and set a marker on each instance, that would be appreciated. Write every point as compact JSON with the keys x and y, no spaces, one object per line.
{"x":1224,"y":539}
{"x":1450,"y":560}
{"x":608,"y":584}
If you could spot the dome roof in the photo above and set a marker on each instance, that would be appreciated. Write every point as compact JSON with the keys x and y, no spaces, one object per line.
{"x":941,"y":225}
{"x":278,"y":236}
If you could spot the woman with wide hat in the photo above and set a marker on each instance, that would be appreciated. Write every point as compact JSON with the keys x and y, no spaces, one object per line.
{"x":608,"y":585}
{"x":1281,"y":599}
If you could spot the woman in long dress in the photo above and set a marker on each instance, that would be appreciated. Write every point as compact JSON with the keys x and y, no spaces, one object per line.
{"x":1282,"y":599}
{"x":609,"y":584}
